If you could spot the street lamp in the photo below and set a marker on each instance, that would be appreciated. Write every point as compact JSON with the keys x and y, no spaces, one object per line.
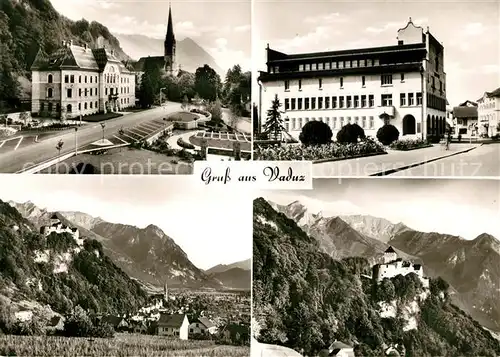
{"x":161,"y":89}
{"x":76,"y":141}
{"x":103,"y":126}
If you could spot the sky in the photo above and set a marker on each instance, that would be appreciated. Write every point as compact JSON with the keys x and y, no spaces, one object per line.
{"x":466,"y":208}
{"x":211,"y":226}
{"x":221,"y":27}
{"x":468,"y":30}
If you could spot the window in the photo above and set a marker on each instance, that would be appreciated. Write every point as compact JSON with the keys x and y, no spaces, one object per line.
{"x":66,"y":79}
{"x":308,"y":66}
{"x":301,"y":67}
{"x":105,"y":91}
{"x":362,"y":63}
{"x":293,"y":103}
{"x":327,"y":65}
{"x":320,"y":83}
{"x":50,"y":78}
{"x":363,"y":101}
{"x":50,"y":107}
{"x":299,"y":103}
{"x":96,"y":104}
{"x":313,"y":103}
{"x":355,"y":64}
{"x":341,"y":82}
{"x":90,"y":79}
{"x":356,"y":120}
{"x":349,"y":101}
{"x":402,"y":99}
{"x":69,"y":92}
{"x":321,"y":66}
{"x":402,"y":77}
{"x":341,"y":102}
{"x":300,"y":84}
{"x":363,"y":81}
{"x":85,"y":105}
{"x":371,"y":100}
{"x":386,"y":79}
{"x":72,"y":79}
{"x":356,"y":101}
{"x":386,"y":100}
{"x":306,"y":104}
{"x":411,"y":99}
{"x":348,"y":120}
{"x":327,"y":102}
{"x":334,"y":102}
{"x":341,"y":122}
{"x":376,"y":62}
{"x":347,"y":64}
{"x":96,"y":79}
{"x":85,"y":79}
{"x":363,"y":122}
{"x":50,"y":92}
{"x":440,"y":86}
{"x":433,"y":82}
{"x":320,"y":103}
{"x":341,"y":64}
{"x":419,"y":98}
{"x":287,"y":85}
{"x":334,"y":122}
{"x":90,"y":104}
{"x":368,"y":62}
{"x":42,"y":107}
{"x":86,"y":91}
{"x":287,"y":103}
{"x":79,"y":79}
{"x":372,"y":123}
{"x":79,"y":106}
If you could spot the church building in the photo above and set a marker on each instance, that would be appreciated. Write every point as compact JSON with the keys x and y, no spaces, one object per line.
{"x":167,"y":62}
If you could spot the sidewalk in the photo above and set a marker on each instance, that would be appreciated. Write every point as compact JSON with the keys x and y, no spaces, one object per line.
{"x":393,"y":161}
{"x":172,"y":141}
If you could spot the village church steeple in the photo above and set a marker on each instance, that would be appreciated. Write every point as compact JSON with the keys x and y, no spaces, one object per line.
{"x":170,"y":44}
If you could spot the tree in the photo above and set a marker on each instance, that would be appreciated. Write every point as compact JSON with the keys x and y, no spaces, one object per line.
{"x":274,"y":123}
{"x":215,"y":109}
{"x":185,"y":103}
{"x":150,"y":83}
{"x":315,"y":133}
{"x":255,"y":118}
{"x":207,"y":83}
{"x":185,"y":83}
{"x":350,"y":133}
{"x":387,"y":134}
{"x":78,"y":324}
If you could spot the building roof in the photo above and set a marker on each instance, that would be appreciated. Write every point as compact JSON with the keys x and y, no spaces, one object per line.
{"x":55,"y":320}
{"x":338,"y":345}
{"x":465,"y":112}
{"x":237,"y":328}
{"x":468,"y":103}
{"x":54,"y":216}
{"x":112,"y":320}
{"x":495,"y":93}
{"x":206,"y":322}
{"x":154,"y":60}
{"x":390,"y":250}
{"x":74,"y":229}
{"x":417,"y":266}
{"x":174,"y":320}
{"x":77,"y":57}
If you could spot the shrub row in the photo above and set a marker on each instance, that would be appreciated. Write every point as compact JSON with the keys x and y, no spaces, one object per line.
{"x":408,"y":144}
{"x":318,"y":152}
{"x":184,"y":144}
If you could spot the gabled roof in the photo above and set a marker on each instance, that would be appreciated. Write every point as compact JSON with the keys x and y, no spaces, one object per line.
{"x":206,"y":322}
{"x":174,"y":320}
{"x":112,"y":320}
{"x":495,"y":93}
{"x":337,"y":345}
{"x":390,"y":250}
{"x":465,"y":112}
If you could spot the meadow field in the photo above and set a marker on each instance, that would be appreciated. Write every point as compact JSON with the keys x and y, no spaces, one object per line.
{"x":120,"y":345}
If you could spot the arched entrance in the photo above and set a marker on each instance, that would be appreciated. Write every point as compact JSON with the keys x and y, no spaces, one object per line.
{"x":409,"y":124}
{"x":434,"y":129}
{"x":428,"y":129}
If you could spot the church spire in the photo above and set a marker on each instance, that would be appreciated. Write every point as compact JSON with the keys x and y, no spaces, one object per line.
{"x":170,"y":42}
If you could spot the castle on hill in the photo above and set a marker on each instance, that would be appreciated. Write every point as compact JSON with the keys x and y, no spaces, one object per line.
{"x":394,"y":266}
{"x":168,"y":60}
{"x":56,"y":226}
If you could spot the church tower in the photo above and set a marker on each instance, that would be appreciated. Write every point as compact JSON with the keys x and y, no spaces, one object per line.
{"x":170,"y":44}
{"x":165,"y":292}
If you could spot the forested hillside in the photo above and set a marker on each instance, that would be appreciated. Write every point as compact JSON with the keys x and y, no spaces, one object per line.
{"x":305,"y":300}
{"x":55,"y":270}
{"x":29,"y":25}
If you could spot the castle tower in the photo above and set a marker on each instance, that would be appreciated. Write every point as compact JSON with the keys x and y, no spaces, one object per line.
{"x":170,"y":44}
{"x":54,"y":219}
{"x":390,"y":255}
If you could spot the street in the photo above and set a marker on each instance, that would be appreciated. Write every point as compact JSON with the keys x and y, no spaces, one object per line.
{"x":14,"y":161}
{"x":482,"y":161}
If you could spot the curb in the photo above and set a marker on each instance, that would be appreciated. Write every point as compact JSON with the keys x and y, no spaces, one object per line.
{"x":391,"y":171}
{"x":320,"y":161}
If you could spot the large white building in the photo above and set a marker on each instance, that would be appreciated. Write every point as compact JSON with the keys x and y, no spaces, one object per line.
{"x":403,"y":84}
{"x":78,"y":81}
{"x":488,"y":112}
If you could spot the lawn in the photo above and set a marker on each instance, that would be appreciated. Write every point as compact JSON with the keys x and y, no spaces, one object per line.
{"x":121,"y":345}
{"x":220,"y":143}
{"x":182,"y":116}
{"x":100,"y":117}
{"x":127,"y":161}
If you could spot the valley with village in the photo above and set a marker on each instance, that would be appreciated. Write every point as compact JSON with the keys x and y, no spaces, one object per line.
{"x":72,"y":285}
{"x":74,"y":102}
{"x":359,"y":285}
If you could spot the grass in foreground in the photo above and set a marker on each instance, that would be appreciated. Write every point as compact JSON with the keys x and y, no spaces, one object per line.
{"x":121,"y":345}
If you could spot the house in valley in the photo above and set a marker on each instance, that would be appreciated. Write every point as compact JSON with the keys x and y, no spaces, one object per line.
{"x":202,"y":326}
{"x":117,"y":322}
{"x":56,"y":323}
{"x":174,"y":325}
{"x":338,"y":349}
{"x":236,"y":334}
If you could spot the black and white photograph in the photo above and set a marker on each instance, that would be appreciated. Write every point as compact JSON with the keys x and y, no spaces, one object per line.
{"x":378,"y":88}
{"x":112,"y":266}
{"x":377,"y":267}
{"x":123,"y":87}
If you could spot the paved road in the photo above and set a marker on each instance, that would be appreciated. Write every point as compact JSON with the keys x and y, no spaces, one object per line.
{"x":11,"y":162}
{"x":482,"y":161}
